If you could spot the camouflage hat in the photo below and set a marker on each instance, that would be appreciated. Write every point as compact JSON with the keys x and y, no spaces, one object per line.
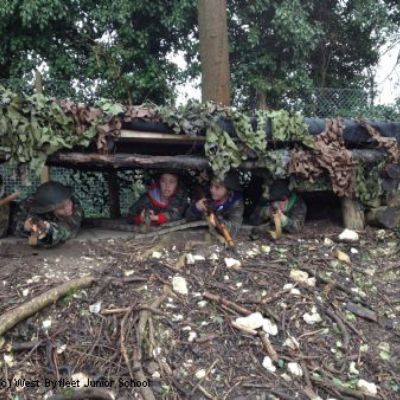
{"x":49,"y":196}
{"x":279,"y":190}
{"x":231,"y":181}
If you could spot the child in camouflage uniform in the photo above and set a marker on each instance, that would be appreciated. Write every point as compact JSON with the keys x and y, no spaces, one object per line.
{"x":226,"y":200}
{"x":165,"y":201}
{"x":289,"y":205}
{"x":53,"y":208}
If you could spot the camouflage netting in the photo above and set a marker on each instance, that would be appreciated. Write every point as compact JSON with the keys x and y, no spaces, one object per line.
{"x":329,"y":155}
{"x":387,"y":143}
{"x":34,"y":127}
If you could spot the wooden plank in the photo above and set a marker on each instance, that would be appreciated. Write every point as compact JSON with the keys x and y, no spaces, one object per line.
{"x":45,"y":175}
{"x":157,"y":137}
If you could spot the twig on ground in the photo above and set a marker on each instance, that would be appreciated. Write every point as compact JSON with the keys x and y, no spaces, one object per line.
{"x":12,"y":317}
{"x":203,"y":378}
{"x":267,"y":345}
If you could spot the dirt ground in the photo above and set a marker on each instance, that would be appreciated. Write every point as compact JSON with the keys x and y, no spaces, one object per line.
{"x":332,"y":337}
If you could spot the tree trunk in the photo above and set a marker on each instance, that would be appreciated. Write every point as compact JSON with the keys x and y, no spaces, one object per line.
{"x":261,"y":100}
{"x":45,"y":174}
{"x":214,"y":51}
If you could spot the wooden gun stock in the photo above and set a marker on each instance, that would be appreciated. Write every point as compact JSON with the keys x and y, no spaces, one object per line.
{"x":198,"y":194}
{"x":9,"y":198}
{"x":220,"y":226}
{"x":225,"y":233}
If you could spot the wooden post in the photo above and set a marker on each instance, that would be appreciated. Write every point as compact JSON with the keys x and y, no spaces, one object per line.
{"x":353,"y":214}
{"x":113,"y":194}
{"x":45,"y":174}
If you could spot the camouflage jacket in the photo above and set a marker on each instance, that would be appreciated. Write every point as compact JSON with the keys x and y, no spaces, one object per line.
{"x":150,"y":200}
{"x":230,"y":212}
{"x":61,"y":229}
{"x":295,"y":211}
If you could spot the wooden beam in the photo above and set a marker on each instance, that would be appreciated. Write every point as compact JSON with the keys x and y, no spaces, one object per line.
{"x":157,"y":137}
{"x":125,"y":160}
{"x":128,"y":160}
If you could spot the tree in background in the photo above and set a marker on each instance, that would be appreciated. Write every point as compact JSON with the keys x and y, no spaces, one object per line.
{"x":272,"y":42}
{"x":353,"y":32}
{"x":122,"y":49}
{"x":280,"y":48}
{"x":118,"y":48}
{"x":214,"y":53}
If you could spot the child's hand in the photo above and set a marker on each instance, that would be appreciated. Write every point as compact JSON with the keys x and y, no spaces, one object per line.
{"x":28,"y":226}
{"x":153,"y":217}
{"x":201,"y":205}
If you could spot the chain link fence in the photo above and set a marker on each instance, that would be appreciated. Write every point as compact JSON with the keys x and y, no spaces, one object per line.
{"x":91,"y":188}
{"x":329,"y":102}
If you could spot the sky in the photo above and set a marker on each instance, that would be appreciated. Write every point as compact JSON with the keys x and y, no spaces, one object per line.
{"x":387,"y":78}
{"x":388,"y":75}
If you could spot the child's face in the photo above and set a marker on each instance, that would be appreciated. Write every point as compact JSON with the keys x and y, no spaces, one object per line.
{"x":168,"y":184}
{"x":218,"y":191}
{"x":65,"y":209}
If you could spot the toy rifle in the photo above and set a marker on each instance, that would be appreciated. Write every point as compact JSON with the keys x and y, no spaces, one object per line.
{"x":38,"y":231}
{"x":220,"y":227}
{"x":277,"y":233}
{"x":147,"y":221}
{"x":9,"y":198}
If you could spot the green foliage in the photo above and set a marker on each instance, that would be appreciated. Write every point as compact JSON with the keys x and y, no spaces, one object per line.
{"x":221,"y":151}
{"x":289,"y":127}
{"x":280,"y":49}
{"x":114,"y":49}
{"x":122,"y":49}
{"x":271,"y":44}
{"x":369,"y":185}
{"x":382,"y":112}
{"x":226,"y":151}
{"x":256,"y":140}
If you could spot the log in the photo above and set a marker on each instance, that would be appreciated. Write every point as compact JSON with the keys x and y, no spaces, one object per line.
{"x":197,"y":162}
{"x":393,"y":171}
{"x":384,"y":217}
{"x":353,"y":214}
{"x":12,"y":317}
{"x":124,"y":160}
